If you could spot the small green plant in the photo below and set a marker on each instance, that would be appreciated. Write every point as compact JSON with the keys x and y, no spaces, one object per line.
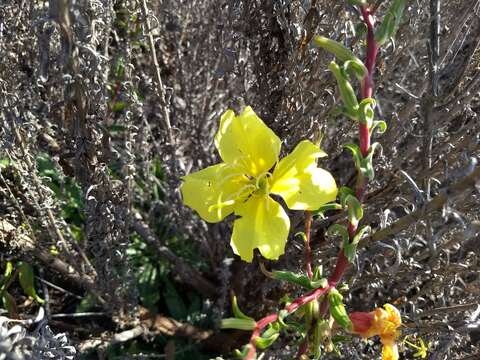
{"x":25,"y":275}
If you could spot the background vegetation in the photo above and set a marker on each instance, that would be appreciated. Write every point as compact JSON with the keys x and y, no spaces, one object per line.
{"x":104,"y":105}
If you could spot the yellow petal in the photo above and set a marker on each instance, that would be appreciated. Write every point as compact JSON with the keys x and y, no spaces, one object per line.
{"x":300,"y":182}
{"x":390,"y":352}
{"x":214,"y":191}
{"x":263,"y":224}
{"x":393,"y":314}
{"x":247,"y":140}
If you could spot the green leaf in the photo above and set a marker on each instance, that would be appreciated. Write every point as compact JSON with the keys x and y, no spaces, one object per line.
{"x":326,"y":207}
{"x":357,"y":154}
{"x":239,"y":324}
{"x":390,"y":22}
{"x":365,"y":111}
{"x":298,"y":279}
{"x":302,"y":235}
{"x":9,"y":304}
{"x":237,"y":312}
{"x":26,"y":278}
{"x":380,"y":126}
{"x":241,"y":354}
{"x":176,"y":306}
{"x":355,"y":68}
{"x":267,"y":339}
{"x":317,"y":273}
{"x":7,"y":274}
{"x":350,"y":249}
{"x":367,"y":163}
{"x":337,"y":229}
{"x":148,"y":285}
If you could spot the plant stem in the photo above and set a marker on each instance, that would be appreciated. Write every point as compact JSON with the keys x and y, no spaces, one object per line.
{"x":342,"y":262}
{"x":308,"y":249}
{"x":364,"y":138}
{"x":291,"y":308}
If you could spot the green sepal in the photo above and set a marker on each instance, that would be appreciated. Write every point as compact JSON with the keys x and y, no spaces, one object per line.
{"x":390,"y":22}
{"x":380,"y":126}
{"x":350,"y":249}
{"x":239,"y":324}
{"x":26,"y":277}
{"x":293,"y":278}
{"x":237,"y":312}
{"x":346,"y":90}
{"x":337,"y":309}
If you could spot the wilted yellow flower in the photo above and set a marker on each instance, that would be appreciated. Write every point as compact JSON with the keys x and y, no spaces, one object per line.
{"x":382,"y":322}
{"x":249,"y":173}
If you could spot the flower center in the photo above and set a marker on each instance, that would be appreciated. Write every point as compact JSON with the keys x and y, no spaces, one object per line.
{"x":262,"y":183}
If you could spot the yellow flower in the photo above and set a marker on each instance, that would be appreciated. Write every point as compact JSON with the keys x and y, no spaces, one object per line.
{"x":382,"y":322}
{"x":249,"y":173}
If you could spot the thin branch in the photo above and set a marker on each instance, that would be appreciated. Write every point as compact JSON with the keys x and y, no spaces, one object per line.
{"x":162,"y":94}
{"x":465,"y":184}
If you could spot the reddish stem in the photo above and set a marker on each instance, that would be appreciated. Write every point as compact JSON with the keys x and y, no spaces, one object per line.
{"x":364,"y":137}
{"x":292,"y":307}
{"x":308,"y":249}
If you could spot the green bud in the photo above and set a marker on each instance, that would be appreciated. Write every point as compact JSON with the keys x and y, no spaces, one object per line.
{"x":346,"y":90}
{"x":337,"y":309}
{"x":354,"y":208}
{"x":342,"y":53}
{"x":240,"y":324}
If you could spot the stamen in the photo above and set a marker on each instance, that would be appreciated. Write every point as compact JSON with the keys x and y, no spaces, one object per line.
{"x":231,"y":200}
